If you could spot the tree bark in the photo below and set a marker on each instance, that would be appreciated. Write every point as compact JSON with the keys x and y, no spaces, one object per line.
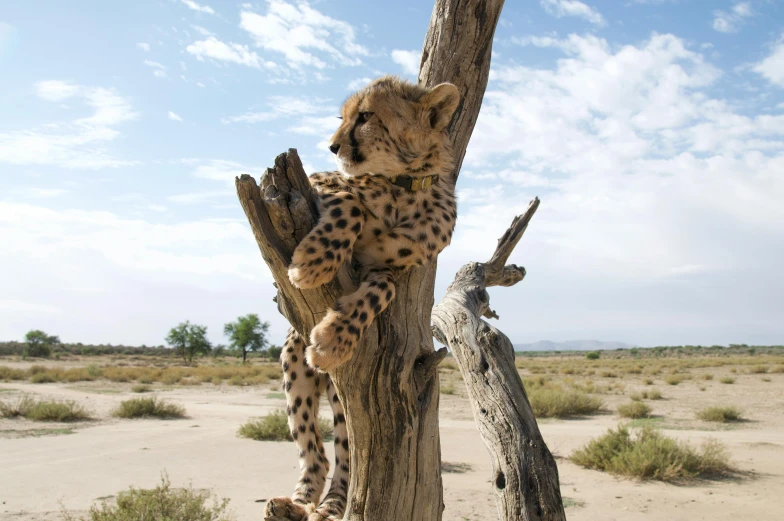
{"x":390,"y":388}
{"x":525,"y":475}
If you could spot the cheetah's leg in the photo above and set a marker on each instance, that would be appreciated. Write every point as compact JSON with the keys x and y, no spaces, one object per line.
{"x":303,"y":387}
{"x":334,"y":339}
{"x":300,"y":506}
{"x":397,"y":250}
{"x":317,"y":258}
{"x":334,"y":503}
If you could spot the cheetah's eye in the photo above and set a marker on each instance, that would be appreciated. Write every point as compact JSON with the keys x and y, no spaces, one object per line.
{"x":365,"y":116}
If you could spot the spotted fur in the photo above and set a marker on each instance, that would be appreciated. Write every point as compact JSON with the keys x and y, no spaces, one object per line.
{"x":389,"y":128}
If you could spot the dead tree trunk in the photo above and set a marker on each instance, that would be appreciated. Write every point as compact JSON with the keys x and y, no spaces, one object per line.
{"x":525,"y":476}
{"x":390,"y":387}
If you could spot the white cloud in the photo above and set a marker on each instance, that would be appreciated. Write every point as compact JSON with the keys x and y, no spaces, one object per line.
{"x":561,"y":8}
{"x":198,"y":7}
{"x":286,"y":107}
{"x":199,"y":197}
{"x":143,"y":46}
{"x":303,"y":35}
{"x":358,"y":83}
{"x":202,"y":31}
{"x":637,"y":165}
{"x":220,"y":170}
{"x":159,"y":70}
{"x":772,"y":67}
{"x":137,"y":245}
{"x":75,"y":144}
{"x":55,"y":90}
{"x":40,"y":193}
{"x":174,"y":117}
{"x":408,"y":60}
{"x":227,"y":52}
{"x":730,"y":21}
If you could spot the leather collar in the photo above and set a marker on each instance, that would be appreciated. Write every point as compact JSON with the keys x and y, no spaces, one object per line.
{"x":414,"y":184}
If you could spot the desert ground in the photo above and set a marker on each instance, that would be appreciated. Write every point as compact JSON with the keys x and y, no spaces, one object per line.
{"x":46,"y":468}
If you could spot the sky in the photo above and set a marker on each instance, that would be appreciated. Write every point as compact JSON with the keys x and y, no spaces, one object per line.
{"x":652,"y":131}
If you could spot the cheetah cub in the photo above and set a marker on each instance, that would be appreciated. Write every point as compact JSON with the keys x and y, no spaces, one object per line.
{"x":390,"y":206}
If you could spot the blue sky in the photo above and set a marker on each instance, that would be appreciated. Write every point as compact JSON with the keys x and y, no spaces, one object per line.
{"x":653,"y":131}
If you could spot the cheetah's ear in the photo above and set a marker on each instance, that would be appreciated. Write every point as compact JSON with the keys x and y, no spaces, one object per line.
{"x":439,"y":104}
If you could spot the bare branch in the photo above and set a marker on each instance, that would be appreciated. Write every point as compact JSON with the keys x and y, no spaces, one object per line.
{"x":525,"y":475}
{"x":497,"y":273}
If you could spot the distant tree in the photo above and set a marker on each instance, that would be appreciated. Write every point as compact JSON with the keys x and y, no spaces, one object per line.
{"x":188,"y":340}
{"x":274,"y":352}
{"x":40,"y":344}
{"x":592,"y":355}
{"x":248,"y":333}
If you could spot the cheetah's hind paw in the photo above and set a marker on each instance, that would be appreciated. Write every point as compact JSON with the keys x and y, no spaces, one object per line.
{"x":284,"y":509}
{"x":332,"y":341}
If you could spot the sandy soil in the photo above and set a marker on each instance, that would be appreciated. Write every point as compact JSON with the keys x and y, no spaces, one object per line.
{"x":41,"y":470}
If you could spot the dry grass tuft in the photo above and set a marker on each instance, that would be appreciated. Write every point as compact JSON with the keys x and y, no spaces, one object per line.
{"x":152,"y":407}
{"x":275,"y":427}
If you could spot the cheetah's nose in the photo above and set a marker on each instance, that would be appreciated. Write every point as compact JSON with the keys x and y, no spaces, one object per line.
{"x":334,"y":147}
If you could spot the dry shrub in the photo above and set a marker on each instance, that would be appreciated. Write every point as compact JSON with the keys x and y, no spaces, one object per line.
{"x":161,"y":503}
{"x":720,"y":414}
{"x":152,"y":407}
{"x":634,"y":410}
{"x":558,"y":403}
{"x":727,"y":380}
{"x":673,"y":379}
{"x":651,"y":455}
{"x":8,"y":373}
{"x":44,"y":411}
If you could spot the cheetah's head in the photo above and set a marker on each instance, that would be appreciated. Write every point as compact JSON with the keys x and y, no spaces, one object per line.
{"x":393,"y":127}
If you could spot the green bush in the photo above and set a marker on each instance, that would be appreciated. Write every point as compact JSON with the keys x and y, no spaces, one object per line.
{"x":160,"y":504}
{"x":152,"y":407}
{"x":652,"y":455}
{"x":592,"y":355}
{"x":634,"y":410}
{"x":720,"y":414}
{"x":275,"y":427}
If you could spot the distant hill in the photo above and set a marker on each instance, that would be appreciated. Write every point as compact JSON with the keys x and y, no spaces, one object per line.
{"x":571,"y":345}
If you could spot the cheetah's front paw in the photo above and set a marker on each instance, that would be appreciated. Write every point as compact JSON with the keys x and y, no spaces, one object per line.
{"x":306,"y":277}
{"x":332,"y":341}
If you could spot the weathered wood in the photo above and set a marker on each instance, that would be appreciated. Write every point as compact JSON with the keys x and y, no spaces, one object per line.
{"x":390,"y":388}
{"x":525,"y":475}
